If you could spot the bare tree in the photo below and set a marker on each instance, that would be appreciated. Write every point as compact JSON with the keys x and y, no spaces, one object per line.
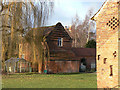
{"x":17,"y":19}
{"x":80,"y":29}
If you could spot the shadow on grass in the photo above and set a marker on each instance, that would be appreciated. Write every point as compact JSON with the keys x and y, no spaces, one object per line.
{"x":71,"y":73}
{"x":32,"y":73}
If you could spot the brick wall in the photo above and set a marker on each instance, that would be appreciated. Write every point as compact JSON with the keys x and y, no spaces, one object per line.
{"x":63,"y":66}
{"x":107,"y":47}
{"x":70,"y":66}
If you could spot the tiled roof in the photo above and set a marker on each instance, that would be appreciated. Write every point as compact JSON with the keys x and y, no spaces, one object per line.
{"x":47,"y":29}
{"x":81,"y":52}
{"x":15,"y":60}
{"x":72,"y":53}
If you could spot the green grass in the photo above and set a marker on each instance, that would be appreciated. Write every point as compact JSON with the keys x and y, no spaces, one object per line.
{"x":81,"y":80}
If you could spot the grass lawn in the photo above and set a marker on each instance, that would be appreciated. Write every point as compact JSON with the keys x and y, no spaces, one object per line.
{"x":81,"y":80}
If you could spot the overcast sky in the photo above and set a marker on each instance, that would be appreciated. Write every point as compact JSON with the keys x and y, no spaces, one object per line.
{"x":65,"y":10}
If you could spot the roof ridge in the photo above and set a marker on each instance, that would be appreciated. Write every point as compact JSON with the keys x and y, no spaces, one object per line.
{"x":93,"y":18}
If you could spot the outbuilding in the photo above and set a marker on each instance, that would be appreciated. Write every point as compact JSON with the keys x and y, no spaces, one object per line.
{"x":14,"y":65}
{"x":61,"y":56}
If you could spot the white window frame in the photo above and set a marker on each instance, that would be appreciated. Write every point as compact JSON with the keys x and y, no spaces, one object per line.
{"x":60,"y":42}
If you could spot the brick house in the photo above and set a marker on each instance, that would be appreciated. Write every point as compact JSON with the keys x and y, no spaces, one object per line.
{"x":108,"y":41}
{"x":63,"y":57}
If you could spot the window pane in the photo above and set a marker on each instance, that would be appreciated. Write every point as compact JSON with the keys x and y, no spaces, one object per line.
{"x":60,"y":41}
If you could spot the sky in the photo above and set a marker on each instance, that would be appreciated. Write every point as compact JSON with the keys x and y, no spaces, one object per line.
{"x":65,"y":10}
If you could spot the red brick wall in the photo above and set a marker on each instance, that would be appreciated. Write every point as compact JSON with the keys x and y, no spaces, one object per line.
{"x":68,"y":66}
{"x":90,"y":60}
{"x":63,"y":66}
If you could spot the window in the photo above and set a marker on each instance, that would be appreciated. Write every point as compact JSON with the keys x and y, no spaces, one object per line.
{"x":105,"y":60}
{"x":92,"y":65}
{"x":111,"y":71}
{"x":114,"y":54}
{"x":98,"y":57}
{"x":60,"y":41}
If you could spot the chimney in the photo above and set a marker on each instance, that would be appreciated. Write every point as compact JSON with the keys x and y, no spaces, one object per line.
{"x":70,"y":28}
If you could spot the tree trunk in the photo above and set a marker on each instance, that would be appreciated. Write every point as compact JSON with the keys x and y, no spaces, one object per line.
{"x":88,"y":33}
{"x":34,"y":53}
{"x":39,"y":67}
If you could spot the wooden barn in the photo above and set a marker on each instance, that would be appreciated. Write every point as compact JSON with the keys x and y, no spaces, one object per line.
{"x":63,"y":58}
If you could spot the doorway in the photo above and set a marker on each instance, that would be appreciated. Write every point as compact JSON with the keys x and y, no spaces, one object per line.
{"x":82,"y":65}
